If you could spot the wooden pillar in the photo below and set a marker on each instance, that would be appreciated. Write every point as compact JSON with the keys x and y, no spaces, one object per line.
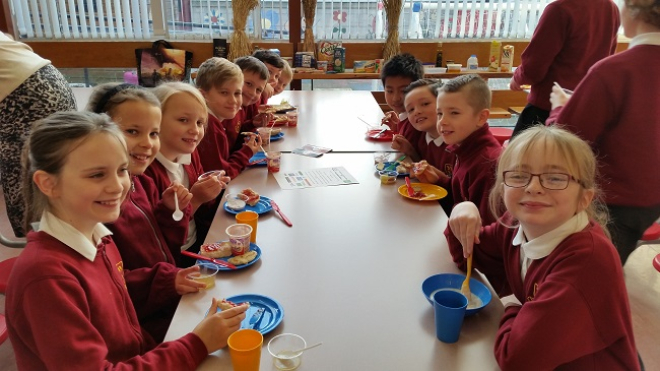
{"x":295,"y":17}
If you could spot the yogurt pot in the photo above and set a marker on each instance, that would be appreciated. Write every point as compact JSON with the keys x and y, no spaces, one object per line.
{"x":239,"y":238}
{"x":236,"y":201}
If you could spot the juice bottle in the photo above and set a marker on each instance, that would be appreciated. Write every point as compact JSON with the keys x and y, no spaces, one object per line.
{"x":494,"y":59}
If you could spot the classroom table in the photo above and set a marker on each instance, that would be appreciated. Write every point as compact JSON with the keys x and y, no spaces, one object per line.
{"x":348,"y":273}
{"x":332,"y":118}
{"x":328,"y":118}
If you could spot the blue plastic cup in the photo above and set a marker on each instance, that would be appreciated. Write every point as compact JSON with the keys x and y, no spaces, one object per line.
{"x":450,"y":309}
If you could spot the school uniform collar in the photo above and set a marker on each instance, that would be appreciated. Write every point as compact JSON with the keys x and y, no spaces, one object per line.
{"x":649,"y":38}
{"x":171,"y":166}
{"x":403,"y":116}
{"x":542,"y":246}
{"x":437,"y":141}
{"x":68,"y":235}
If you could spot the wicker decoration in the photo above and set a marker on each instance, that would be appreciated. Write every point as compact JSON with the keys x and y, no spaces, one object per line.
{"x":393,"y":10}
{"x":309,"y":8}
{"x":240,"y":43}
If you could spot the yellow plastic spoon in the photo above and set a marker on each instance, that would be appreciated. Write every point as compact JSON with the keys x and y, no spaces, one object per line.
{"x":465,"y":288}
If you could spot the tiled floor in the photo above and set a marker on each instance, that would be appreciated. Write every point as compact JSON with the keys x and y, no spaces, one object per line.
{"x":642,"y":279}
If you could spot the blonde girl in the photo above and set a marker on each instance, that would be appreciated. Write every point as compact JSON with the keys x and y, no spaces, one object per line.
{"x":568,"y":305}
{"x":68,"y":305}
{"x":183,"y":125}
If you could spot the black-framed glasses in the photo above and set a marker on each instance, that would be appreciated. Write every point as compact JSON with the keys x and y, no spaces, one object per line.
{"x":551,"y":181}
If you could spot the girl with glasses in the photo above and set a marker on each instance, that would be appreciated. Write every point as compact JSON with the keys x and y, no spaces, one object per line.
{"x":550,"y":258}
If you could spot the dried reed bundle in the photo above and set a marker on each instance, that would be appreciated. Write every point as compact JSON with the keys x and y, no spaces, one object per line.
{"x":240,"y":43}
{"x":393,"y":10}
{"x":309,"y":9}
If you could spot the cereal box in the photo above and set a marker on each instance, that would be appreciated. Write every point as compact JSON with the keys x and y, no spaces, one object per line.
{"x":326,"y":51}
{"x":339,"y":61}
{"x":369,"y":66}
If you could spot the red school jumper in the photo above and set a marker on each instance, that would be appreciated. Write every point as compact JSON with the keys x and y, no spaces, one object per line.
{"x":65,"y":312}
{"x":622,"y":124}
{"x":474,"y":172}
{"x":146,"y":235}
{"x":242,"y":122}
{"x":575,"y":313}
{"x":145,"y":232}
{"x":571,"y":36}
{"x":214,"y":150}
{"x":205,"y":213}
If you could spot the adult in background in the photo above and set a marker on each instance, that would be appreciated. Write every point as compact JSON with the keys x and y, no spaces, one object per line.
{"x":616,"y":108}
{"x":30,"y":89}
{"x":571,"y":36}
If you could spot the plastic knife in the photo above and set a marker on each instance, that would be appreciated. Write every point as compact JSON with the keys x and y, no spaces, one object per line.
{"x":279,"y":212}
{"x":202,"y":257}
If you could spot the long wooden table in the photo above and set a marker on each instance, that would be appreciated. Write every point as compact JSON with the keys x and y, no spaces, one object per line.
{"x":349,"y":274}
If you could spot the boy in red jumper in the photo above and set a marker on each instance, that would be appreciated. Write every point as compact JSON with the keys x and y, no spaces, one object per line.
{"x":462,"y":108}
{"x":568,"y":308}
{"x":275,"y":64}
{"x":420,"y":103}
{"x":255,"y":79}
{"x":68,"y":305}
{"x":396,"y":75}
{"x":571,"y":36}
{"x":221,"y":82}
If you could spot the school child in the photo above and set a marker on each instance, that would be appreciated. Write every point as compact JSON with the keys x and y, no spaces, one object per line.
{"x":462,"y":108}
{"x":182,"y":128}
{"x":396,"y":75}
{"x":275,"y":64}
{"x":430,"y":148}
{"x":68,"y":304}
{"x":144,"y":216}
{"x":255,"y":79}
{"x":221,"y":82}
{"x":284,"y":80}
{"x":549,"y":248}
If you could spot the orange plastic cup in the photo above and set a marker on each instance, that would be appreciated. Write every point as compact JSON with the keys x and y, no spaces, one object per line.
{"x":250,"y":218}
{"x":245,"y":349}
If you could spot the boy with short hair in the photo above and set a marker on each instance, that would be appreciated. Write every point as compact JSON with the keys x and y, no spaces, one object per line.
{"x":463,"y":109}
{"x":420,"y":104}
{"x":396,"y":75}
{"x":221,"y":83}
{"x":275,"y":64}
{"x":255,"y":77}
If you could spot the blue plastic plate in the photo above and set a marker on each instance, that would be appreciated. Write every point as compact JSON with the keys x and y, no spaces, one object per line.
{"x":392,"y":167}
{"x":455,"y":281}
{"x":262,"y":207}
{"x":273,"y":313}
{"x":257,"y":157}
{"x":277,"y":136}
{"x":253,"y":246}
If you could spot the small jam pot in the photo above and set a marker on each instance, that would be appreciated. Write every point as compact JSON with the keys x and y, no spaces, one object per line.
{"x":388,"y":177}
